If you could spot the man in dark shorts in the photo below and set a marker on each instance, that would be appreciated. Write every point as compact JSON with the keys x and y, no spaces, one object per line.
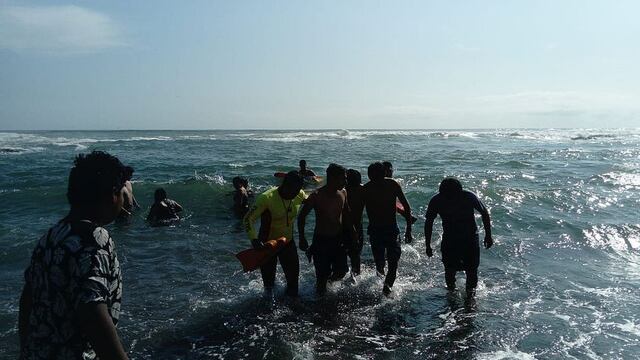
{"x":164,"y":211}
{"x":277,"y":209}
{"x":355,"y":199}
{"x":332,"y":218}
{"x":380,"y":195}
{"x":460,"y":248}
{"x":70,"y":303}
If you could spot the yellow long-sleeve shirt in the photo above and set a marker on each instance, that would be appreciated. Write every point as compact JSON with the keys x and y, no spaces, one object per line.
{"x":283,"y":214}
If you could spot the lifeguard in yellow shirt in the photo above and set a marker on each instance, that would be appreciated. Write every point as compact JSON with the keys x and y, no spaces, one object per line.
{"x":277,"y":209}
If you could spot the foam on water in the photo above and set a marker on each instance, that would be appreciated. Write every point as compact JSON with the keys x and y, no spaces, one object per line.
{"x":562,"y":280}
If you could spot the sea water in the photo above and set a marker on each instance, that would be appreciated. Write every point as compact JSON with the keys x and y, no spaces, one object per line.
{"x":562,"y":280}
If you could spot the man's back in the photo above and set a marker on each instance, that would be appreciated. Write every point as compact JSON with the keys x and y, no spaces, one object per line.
{"x":380,"y":201}
{"x":73,"y":264}
{"x":355,"y":198}
{"x":457,"y":212}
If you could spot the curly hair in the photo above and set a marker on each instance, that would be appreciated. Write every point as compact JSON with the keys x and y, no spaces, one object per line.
{"x":94,"y":177}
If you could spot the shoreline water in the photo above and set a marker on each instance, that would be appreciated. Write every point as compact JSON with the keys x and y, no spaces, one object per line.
{"x":561,"y":281}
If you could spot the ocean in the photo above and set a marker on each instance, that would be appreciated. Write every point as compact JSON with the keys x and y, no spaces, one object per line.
{"x":562,"y":280}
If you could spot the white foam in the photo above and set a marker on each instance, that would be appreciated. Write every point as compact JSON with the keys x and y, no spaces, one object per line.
{"x":506,"y":354}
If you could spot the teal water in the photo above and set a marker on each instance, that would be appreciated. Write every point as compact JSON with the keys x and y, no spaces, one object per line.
{"x":562,"y":281}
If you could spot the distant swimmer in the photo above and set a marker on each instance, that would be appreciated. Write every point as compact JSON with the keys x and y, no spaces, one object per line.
{"x":380,"y":196}
{"x":460,"y":248}
{"x":304,"y":172}
{"x":130,"y":203}
{"x":277,"y":209}
{"x":70,"y":303}
{"x":355,"y":199}
{"x":164,"y":211}
{"x":240,"y":196}
{"x":332,"y":217}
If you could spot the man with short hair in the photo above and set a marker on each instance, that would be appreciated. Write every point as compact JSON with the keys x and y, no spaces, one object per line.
{"x":460,"y":248}
{"x":70,"y":303}
{"x":380,"y":196}
{"x":332,"y":218}
{"x":388,"y":169}
{"x":277,"y":209}
{"x":164,"y":211}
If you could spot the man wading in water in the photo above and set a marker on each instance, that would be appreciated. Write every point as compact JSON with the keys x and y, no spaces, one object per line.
{"x":380,"y":195}
{"x":460,"y":248}
{"x":332,"y":218}
{"x":277,"y":209}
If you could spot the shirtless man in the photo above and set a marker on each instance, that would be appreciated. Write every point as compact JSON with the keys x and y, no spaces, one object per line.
{"x":240,"y":196}
{"x":332,"y":217}
{"x":380,"y":195}
{"x":355,"y":199}
{"x":130,"y":202}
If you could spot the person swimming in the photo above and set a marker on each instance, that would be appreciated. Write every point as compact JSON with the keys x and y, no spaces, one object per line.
{"x":460,"y":248}
{"x":164,"y":211}
{"x":380,"y":196}
{"x":332,"y":217}
{"x":304,"y":171}
{"x":240,"y":196}
{"x":277,"y":209}
{"x":388,"y":169}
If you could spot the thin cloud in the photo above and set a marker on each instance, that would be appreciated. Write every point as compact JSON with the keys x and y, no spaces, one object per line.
{"x":64,"y":29}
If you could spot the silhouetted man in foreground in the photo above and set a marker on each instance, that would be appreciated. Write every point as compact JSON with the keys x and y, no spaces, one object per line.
{"x":460,"y":244}
{"x":71,"y":300}
{"x":380,"y":195}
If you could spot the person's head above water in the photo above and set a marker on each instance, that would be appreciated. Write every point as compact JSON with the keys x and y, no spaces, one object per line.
{"x":291,"y":185}
{"x":95,"y":185}
{"x":336,"y":176}
{"x":160,"y":194}
{"x":450,"y":187}
{"x":353,"y":177}
{"x":303,"y":164}
{"x":388,"y":168}
{"x":376,"y":171}
{"x":238,"y":182}
{"x":128,"y":173}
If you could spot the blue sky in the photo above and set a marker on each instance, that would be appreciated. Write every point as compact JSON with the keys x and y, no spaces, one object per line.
{"x":325,"y":64}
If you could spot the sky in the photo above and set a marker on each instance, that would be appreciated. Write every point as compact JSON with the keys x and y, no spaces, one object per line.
{"x":319,"y":64}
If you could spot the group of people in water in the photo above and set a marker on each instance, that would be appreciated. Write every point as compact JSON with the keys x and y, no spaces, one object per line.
{"x":70,"y":303}
{"x":338,"y":235}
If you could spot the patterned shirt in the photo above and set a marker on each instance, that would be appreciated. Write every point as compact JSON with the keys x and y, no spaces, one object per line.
{"x":73,"y":264}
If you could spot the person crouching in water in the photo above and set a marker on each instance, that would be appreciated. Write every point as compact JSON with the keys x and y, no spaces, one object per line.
{"x":380,"y":195}
{"x":332,"y":217}
{"x":164,"y":211}
{"x":240,"y":196}
{"x":277,"y":209}
{"x":460,"y":248}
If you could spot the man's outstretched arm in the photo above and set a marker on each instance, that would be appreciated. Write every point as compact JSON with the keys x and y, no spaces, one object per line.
{"x":407,"y":213}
